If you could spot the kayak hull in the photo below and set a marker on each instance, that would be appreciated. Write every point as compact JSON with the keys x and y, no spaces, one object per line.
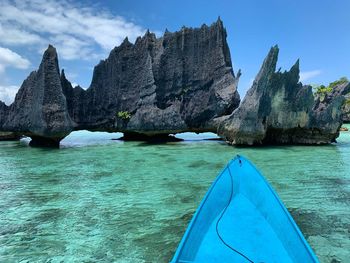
{"x":241,"y":219}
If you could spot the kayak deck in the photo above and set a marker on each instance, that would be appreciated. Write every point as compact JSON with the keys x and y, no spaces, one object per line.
{"x":241,"y":219}
{"x":241,"y":215}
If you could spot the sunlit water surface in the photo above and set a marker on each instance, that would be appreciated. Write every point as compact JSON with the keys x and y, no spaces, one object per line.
{"x":102,"y":200}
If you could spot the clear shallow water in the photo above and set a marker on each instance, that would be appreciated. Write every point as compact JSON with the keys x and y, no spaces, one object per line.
{"x":97,"y":200}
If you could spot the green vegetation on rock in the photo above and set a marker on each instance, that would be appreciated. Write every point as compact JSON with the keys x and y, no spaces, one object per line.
{"x":322,"y":89}
{"x":342,"y":80}
{"x":124,"y":115}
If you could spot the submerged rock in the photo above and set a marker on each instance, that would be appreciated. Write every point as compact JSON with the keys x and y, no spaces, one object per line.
{"x":278,"y":109}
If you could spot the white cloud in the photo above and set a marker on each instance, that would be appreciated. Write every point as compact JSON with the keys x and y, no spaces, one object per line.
{"x":78,"y":32}
{"x":8,"y":58}
{"x":13,"y":36}
{"x":8,"y":93}
{"x":306,"y":75}
{"x":71,"y":48}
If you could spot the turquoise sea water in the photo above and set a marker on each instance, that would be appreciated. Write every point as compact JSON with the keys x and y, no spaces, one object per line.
{"x":98,"y":200}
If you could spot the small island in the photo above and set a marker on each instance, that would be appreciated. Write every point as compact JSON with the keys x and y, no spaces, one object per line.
{"x":180,"y":82}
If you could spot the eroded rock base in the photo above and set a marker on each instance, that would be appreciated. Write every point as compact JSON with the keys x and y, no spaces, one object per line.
{"x":298,"y":136}
{"x":9,"y":136}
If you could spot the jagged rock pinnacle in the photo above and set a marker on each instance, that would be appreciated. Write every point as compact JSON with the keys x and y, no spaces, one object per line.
{"x":278,"y":109}
{"x":40,"y":109}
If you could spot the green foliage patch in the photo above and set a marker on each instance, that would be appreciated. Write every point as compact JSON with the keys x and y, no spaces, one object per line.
{"x":342,"y":80}
{"x":124,"y":115}
{"x":322,"y":89}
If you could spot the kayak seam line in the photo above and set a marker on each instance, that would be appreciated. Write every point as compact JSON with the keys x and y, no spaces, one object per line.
{"x":223,"y":212}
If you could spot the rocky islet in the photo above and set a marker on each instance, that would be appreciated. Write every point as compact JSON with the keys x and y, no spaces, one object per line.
{"x":182,"y":81}
{"x":278,"y":109}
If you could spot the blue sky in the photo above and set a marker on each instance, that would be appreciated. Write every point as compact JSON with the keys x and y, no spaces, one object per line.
{"x":317,"y":32}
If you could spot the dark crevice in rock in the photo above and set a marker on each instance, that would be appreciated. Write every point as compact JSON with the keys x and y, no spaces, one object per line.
{"x":38,"y":141}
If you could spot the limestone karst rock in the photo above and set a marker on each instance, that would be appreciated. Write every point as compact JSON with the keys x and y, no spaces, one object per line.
{"x":179,"y":82}
{"x":278,"y":109}
{"x":3,"y":113}
{"x":346,"y":109}
{"x":339,"y":90}
{"x":182,"y":81}
{"x":40,"y":107}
